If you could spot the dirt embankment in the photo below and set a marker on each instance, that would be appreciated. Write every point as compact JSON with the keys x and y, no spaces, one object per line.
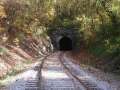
{"x":84,"y":57}
{"x":14,"y":59}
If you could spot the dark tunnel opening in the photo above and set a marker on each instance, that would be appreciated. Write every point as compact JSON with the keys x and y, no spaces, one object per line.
{"x":65,"y":44}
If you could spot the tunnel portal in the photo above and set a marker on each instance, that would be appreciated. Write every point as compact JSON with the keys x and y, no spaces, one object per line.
{"x":65,"y":44}
{"x":64,"y":39}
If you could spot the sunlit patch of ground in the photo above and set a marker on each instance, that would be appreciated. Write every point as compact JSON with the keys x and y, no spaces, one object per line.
{"x":25,"y":80}
{"x":24,"y":74}
{"x":13,"y":60}
{"x":54,"y":75}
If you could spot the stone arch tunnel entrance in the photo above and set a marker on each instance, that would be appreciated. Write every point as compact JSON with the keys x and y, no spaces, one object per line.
{"x":65,"y":44}
{"x":64,"y":39}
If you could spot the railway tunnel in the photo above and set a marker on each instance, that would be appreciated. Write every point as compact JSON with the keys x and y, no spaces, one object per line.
{"x":65,"y":39}
{"x":65,"y":43}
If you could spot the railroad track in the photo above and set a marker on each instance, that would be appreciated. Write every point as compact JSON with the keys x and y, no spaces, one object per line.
{"x":53,"y":73}
{"x":58,"y":75}
{"x":29,"y":79}
{"x":88,"y":85}
{"x":55,"y":77}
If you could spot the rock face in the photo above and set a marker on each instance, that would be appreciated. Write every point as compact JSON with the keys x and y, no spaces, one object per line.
{"x":59,"y":34}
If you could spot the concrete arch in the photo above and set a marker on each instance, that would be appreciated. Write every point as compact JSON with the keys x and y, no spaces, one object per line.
{"x":58,"y":34}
